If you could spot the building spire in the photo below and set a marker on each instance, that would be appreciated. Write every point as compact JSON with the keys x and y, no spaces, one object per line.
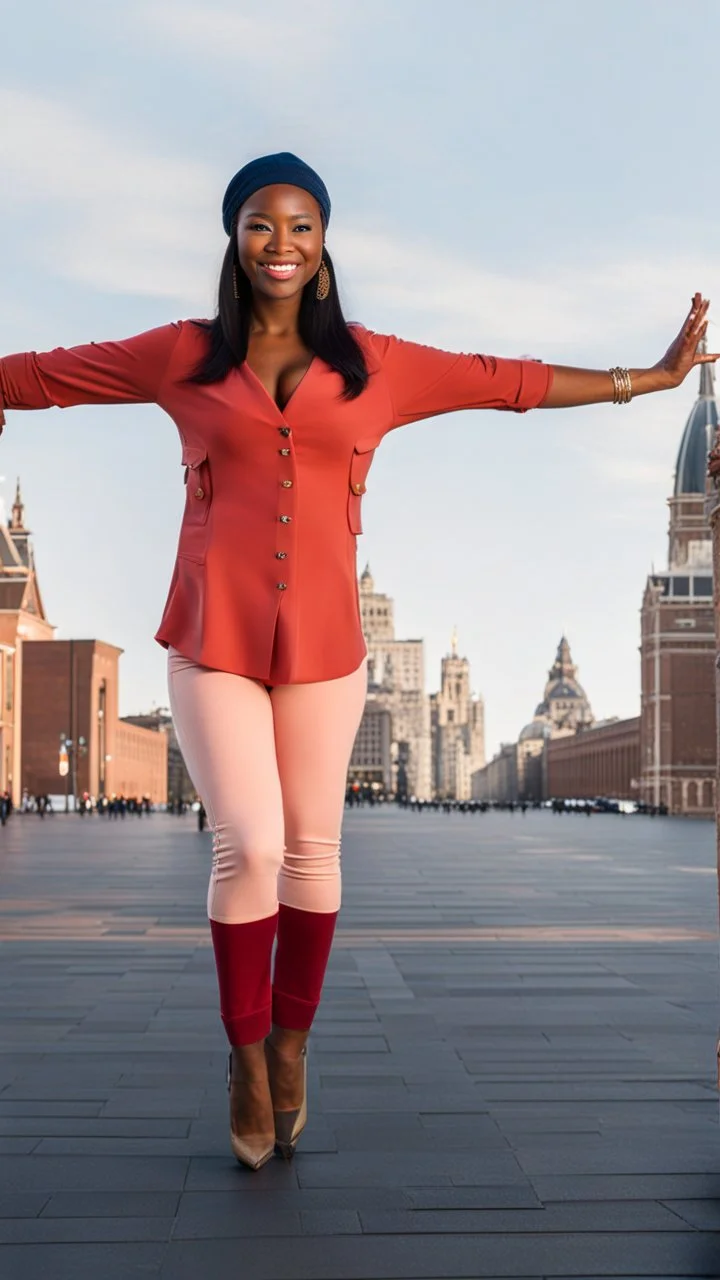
{"x":17,"y":521}
{"x":454,"y":642}
{"x":563,"y":665}
{"x":707,"y":374}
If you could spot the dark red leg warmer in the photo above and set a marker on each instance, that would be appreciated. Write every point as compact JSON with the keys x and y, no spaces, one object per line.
{"x":304,"y":939}
{"x":243,"y":953}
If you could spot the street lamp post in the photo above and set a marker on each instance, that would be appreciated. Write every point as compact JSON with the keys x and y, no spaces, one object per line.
{"x":67,"y":765}
{"x":63,"y":765}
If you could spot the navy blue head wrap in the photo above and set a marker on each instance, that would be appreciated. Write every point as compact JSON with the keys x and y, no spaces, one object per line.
{"x":282,"y":167}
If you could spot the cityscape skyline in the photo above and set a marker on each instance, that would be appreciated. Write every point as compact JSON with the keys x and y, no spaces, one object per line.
{"x":515,"y":529}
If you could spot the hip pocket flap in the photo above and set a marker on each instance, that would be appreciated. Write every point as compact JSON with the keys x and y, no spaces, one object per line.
{"x":193,"y":456}
{"x":359,"y":466}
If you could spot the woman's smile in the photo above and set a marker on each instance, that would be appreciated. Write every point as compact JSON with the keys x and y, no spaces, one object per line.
{"x":279,"y":271}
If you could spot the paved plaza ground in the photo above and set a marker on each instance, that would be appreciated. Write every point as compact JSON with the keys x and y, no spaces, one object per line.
{"x":512,"y":1073}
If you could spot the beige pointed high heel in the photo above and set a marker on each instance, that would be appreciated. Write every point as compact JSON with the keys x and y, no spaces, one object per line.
{"x":290,"y":1124}
{"x":246,"y":1152}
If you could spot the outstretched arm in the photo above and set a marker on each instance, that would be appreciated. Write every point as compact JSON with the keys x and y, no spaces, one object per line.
{"x":595,"y":386}
{"x":129,"y":371}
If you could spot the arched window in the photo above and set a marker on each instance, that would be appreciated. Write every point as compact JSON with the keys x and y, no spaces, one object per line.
{"x":692,"y":795}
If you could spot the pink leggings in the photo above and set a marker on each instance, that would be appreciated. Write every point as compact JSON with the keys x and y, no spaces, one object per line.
{"x":271,"y":768}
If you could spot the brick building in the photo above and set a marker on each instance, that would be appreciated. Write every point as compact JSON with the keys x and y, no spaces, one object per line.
{"x":22,"y":619}
{"x":70,"y":694}
{"x":678,"y":734}
{"x":179,"y":783}
{"x":667,"y":755}
{"x":601,"y":761}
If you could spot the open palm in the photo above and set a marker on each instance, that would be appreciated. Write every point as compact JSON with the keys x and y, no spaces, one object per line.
{"x":688,"y":349}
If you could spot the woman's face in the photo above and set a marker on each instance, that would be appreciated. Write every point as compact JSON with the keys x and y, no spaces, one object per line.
{"x":279,"y":227}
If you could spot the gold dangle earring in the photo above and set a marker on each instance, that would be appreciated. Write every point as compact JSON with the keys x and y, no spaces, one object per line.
{"x":323,"y":284}
{"x":235,"y":287}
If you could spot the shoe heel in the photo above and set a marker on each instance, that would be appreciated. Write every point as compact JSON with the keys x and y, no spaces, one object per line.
{"x":241,"y":1150}
{"x":290,"y":1124}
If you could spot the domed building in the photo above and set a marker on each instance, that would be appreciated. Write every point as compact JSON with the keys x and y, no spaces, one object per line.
{"x":565,"y":706}
{"x":697,"y":438}
{"x":677,"y":721}
{"x":564,"y":709}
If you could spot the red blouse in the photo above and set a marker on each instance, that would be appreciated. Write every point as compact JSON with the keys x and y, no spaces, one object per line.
{"x":264,"y":582}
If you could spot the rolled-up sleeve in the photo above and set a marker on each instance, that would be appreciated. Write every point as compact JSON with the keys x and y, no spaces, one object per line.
{"x":128,"y":371}
{"x":425,"y":381}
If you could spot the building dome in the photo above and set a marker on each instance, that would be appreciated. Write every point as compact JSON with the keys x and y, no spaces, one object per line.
{"x":564,"y":706}
{"x":697,"y":439}
{"x":535,"y":730}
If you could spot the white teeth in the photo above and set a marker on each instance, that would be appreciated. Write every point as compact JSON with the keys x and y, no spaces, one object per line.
{"x":284,"y":270}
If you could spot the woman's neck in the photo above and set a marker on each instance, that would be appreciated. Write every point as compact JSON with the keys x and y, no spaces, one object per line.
{"x":275,"y":318}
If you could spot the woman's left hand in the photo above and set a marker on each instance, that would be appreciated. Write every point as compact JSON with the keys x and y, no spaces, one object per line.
{"x":682,"y":355}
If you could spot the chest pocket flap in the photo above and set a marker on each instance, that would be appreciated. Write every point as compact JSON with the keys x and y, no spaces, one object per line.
{"x":360,"y":463}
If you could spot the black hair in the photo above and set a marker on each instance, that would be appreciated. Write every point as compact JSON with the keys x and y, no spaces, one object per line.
{"x":321,"y":325}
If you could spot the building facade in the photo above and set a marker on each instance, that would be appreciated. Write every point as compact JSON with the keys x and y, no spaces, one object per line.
{"x":179,"y":785}
{"x":457,"y":722}
{"x":563,"y":711}
{"x":70,"y":703}
{"x":409,"y":744}
{"x":601,"y":761}
{"x":677,"y":650}
{"x":22,"y":620}
{"x":392,"y":746}
{"x":497,"y":781}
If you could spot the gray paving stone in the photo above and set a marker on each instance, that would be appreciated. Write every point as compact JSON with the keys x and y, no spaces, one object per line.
{"x":237,"y":1217}
{"x":330,"y":1222}
{"x":609,"y":1216}
{"x":22,"y":1204}
{"x":420,"y":1257}
{"x":704,"y":1215}
{"x":110,"y":1204}
{"x":112,"y":1261}
{"x":91,"y":1173}
{"x":104,"y":1126}
{"x":32,"y":1231}
{"x":653,"y":1186}
{"x":222,"y":1173}
{"x":480,"y":1105}
{"x":416,"y":1169}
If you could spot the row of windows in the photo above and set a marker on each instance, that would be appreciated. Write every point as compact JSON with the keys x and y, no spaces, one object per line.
{"x":685,"y":586}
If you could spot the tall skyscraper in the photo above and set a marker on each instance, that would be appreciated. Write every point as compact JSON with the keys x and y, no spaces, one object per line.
{"x":393,"y":742}
{"x":458,"y":728}
{"x":677,"y":722}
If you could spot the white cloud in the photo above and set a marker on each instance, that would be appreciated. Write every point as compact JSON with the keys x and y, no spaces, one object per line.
{"x":280,"y":38}
{"x":107,"y":210}
{"x":552,"y":306}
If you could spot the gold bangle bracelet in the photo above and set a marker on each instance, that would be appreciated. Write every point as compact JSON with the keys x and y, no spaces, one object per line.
{"x":622,"y":385}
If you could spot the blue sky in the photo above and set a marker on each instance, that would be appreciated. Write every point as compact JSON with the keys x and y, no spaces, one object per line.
{"x":507,"y":176}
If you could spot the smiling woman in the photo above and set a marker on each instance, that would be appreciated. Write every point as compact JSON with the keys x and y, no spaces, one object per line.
{"x":278,"y":302}
{"x":280,"y":405}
